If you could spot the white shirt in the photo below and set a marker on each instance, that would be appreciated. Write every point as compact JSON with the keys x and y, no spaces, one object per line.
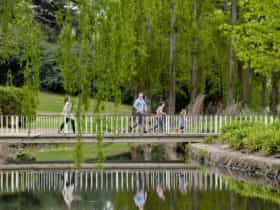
{"x":67,"y":109}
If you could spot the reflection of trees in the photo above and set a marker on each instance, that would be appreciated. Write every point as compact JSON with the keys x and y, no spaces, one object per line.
{"x":124,"y":201}
{"x":17,"y":200}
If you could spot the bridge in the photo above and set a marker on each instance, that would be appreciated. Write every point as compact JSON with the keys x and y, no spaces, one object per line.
{"x":116,"y":128}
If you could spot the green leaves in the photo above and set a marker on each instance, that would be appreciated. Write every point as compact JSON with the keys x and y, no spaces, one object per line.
{"x":257,"y":35}
{"x":253,"y":137}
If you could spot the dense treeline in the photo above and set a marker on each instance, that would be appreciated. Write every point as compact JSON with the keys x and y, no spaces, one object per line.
{"x":173,"y":50}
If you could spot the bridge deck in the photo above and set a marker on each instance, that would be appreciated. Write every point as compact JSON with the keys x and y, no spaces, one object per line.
{"x":119,"y":166}
{"x":108,"y":138}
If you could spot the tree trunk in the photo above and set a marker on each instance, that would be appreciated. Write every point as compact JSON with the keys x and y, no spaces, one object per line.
{"x":148,"y":84}
{"x":248,"y":87}
{"x":194,"y":57}
{"x":231,"y":56}
{"x":226,"y":6}
{"x":172,"y":73}
{"x":240,"y":75}
{"x":274,"y":100}
{"x":172,"y":85}
{"x":263,"y":93}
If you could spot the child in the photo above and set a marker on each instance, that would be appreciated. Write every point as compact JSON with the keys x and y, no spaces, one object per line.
{"x":182,"y":120}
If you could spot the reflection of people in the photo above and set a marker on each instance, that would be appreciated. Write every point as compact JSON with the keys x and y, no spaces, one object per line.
{"x":182,"y":184}
{"x":141,"y":107}
{"x":68,"y":191}
{"x":67,"y":114}
{"x":140,"y":196}
{"x":159,"y":190}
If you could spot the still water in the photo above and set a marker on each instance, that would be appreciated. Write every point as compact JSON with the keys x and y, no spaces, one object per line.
{"x":126,"y":189}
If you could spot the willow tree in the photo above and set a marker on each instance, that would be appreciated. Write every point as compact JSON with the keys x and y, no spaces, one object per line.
{"x":257,"y":42}
{"x":21,"y":34}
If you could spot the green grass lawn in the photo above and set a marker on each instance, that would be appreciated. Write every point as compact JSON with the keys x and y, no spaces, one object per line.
{"x":66,"y":153}
{"x":50,"y":102}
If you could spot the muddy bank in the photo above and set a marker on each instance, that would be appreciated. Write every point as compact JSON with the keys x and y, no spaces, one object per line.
{"x":222,"y":156}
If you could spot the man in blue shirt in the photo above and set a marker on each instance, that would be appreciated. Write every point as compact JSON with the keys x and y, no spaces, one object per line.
{"x":140,"y":107}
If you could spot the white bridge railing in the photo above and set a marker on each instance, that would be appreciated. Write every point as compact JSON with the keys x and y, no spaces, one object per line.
{"x":115,"y":124}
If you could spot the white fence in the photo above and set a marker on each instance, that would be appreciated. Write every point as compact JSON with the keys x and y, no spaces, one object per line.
{"x":114,"y":124}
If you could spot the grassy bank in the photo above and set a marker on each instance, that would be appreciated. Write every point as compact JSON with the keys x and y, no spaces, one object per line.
{"x":253,"y":136}
{"x":247,"y":189}
{"x":66,"y":153}
{"x":50,"y":102}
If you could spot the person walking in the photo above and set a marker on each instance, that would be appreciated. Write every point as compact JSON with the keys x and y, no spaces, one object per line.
{"x":159,"y":117}
{"x":67,"y":115}
{"x":140,"y":107}
{"x":182,"y":121}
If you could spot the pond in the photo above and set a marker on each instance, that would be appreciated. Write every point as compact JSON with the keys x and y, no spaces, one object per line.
{"x":130,"y":189}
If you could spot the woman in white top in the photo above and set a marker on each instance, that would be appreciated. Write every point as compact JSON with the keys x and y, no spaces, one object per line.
{"x":67,"y":114}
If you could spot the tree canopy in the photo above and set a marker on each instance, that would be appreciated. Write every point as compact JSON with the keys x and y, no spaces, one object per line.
{"x":174,"y":50}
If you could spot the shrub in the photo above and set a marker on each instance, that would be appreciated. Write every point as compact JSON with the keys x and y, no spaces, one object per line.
{"x":209,"y":140}
{"x":253,"y":136}
{"x":11,"y":100}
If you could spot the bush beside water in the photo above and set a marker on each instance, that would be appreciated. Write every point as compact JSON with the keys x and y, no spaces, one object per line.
{"x":10,"y":100}
{"x":253,"y":136}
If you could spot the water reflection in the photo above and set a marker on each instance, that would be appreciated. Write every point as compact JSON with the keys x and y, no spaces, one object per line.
{"x":107,"y":180}
{"x":182,"y":184}
{"x":68,"y":190}
{"x":159,"y":189}
{"x":124,"y":189}
{"x":140,"y":196}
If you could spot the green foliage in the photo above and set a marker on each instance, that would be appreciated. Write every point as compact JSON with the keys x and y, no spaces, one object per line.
{"x":11,"y":101}
{"x":253,"y":136}
{"x":248,"y":189}
{"x":209,"y":140}
{"x":9,"y":78}
{"x":100,"y":152}
{"x":201,"y":155}
{"x":22,"y":35}
{"x":187,"y":153}
{"x":78,"y":154}
{"x":257,"y":35}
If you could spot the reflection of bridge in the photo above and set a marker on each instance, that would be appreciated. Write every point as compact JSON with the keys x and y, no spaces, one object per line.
{"x":43,"y":128}
{"x":114,"y":180}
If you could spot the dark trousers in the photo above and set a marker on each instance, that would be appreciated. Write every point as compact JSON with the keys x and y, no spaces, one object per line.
{"x":159,"y":123}
{"x":139,"y":121}
{"x":72,"y":123}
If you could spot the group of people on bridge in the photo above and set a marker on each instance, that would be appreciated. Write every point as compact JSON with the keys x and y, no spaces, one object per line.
{"x":140,"y":108}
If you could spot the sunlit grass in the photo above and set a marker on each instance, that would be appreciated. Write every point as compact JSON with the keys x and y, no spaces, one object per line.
{"x":51,"y":102}
{"x":66,"y":153}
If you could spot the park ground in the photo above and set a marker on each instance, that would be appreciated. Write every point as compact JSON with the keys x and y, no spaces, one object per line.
{"x":53,"y":103}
